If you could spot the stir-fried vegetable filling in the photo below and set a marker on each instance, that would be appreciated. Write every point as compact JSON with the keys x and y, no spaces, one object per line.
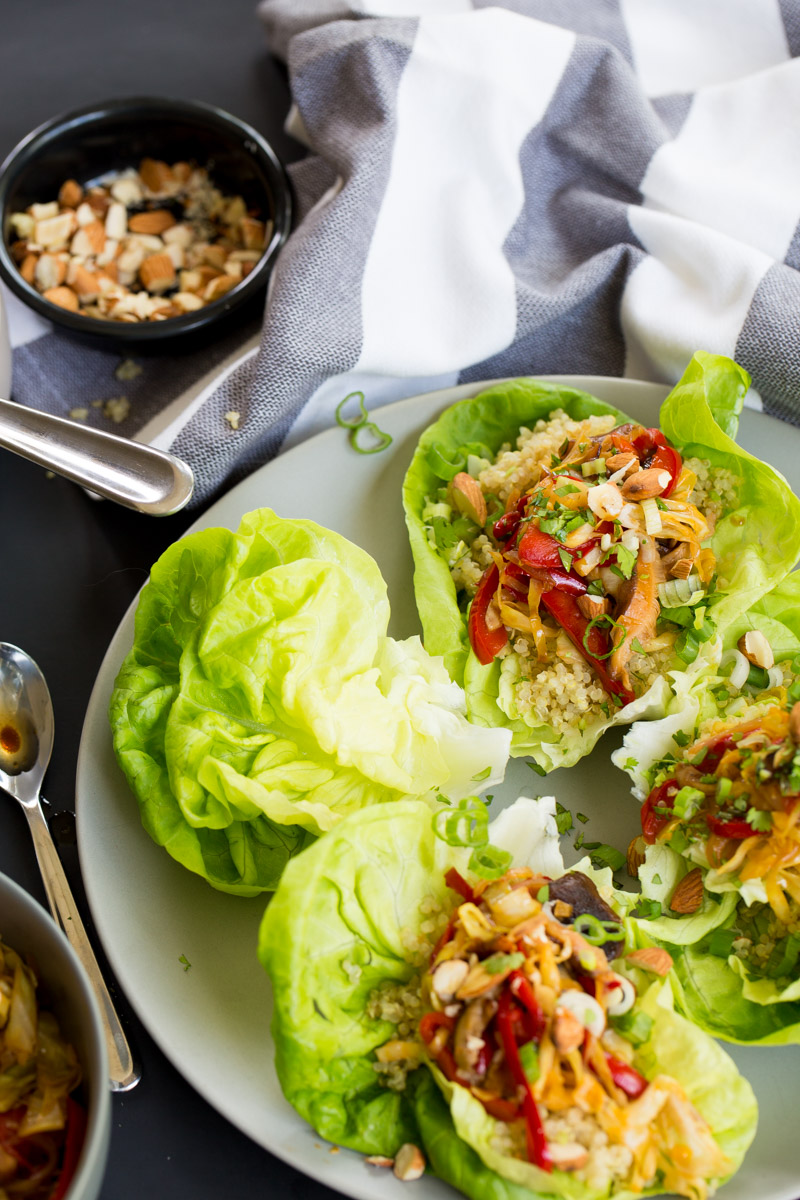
{"x":41,"y":1126}
{"x":523,"y":1008}
{"x":599,"y":551}
{"x":734,"y":805}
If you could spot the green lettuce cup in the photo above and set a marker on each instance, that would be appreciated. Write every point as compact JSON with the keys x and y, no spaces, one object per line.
{"x":719,"y":778}
{"x":615,"y":611}
{"x":358,"y":941}
{"x":262,"y":701}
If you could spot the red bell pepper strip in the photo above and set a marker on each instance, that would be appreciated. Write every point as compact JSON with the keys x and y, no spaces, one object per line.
{"x":534,"y":1130}
{"x":431,"y":1022}
{"x":76,"y":1131}
{"x":522,"y":991}
{"x":626,"y":1078}
{"x":731,"y":829}
{"x":500,"y":1109}
{"x":487,"y":643}
{"x":653,"y":822}
{"x":666,"y":458}
{"x":507,"y":525}
{"x":539,"y":549}
{"x":715,"y":752}
{"x":457,"y":883}
{"x":592,"y":643}
{"x":558,"y":581}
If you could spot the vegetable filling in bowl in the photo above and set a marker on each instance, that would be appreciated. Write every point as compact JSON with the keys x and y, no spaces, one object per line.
{"x":591,"y":572}
{"x":523,"y":1008}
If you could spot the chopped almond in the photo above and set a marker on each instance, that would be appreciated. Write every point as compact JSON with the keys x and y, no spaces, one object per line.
{"x":85,"y":283}
{"x":54,"y":231}
{"x":252,"y":233}
{"x":155,"y":221}
{"x":50,"y":272}
{"x":181,"y":171}
{"x":156,"y":175}
{"x":218,"y":287}
{"x":157,"y":273}
{"x":64,"y":297}
{"x":28,"y":267}
{"x":70,"y":194}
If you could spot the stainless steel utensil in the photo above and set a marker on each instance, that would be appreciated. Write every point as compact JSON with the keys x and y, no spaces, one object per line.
{"x":26,"y":743}
{"x":131,"y":473}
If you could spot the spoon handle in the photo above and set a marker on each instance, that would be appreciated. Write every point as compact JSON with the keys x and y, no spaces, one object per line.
{"x":131,"y":473}
{"x":123,"y":1072}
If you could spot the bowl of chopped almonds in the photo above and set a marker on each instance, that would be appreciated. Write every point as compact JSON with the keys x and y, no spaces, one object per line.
{"x":141,"y":219}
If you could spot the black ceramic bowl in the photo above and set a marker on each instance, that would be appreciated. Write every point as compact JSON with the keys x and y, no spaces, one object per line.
{"x":99,"y":139}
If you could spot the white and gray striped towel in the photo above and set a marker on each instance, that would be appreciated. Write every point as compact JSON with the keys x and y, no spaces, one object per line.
{"x":575,"y":186}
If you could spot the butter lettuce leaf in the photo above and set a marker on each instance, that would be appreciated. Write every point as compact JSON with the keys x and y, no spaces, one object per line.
{"x":262,"y":701}
{"x":756,"y":540}
{"x":346,"y":936}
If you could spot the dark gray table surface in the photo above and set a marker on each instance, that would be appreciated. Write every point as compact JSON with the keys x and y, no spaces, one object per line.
{"x":70,"y":567}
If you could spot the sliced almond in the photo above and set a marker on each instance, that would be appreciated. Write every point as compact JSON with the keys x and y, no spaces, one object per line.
{"x":688,"y":895}
{"x":651,"y":958}
{"x":593,"y":606}
{"x":605,"y":500}
{"x":465,"y":495}
{"x":409,"y":1162}
{"x":756,"y":649}
{"x":448,"y":977}
{"x":379,"y":1160}
{"x":635,"y":856}
{"x":155,"y":221}
{"x":642,"y":485}
{"x":682,"y":569}
{"x":63,"y":296}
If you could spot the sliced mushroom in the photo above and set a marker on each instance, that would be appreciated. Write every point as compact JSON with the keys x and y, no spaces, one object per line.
{"x":469,"y":1031}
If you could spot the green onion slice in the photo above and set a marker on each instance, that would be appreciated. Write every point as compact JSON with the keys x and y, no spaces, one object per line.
{"x":362,"y":409}
{"x":381,"y":438}
{"x":595,"y":931}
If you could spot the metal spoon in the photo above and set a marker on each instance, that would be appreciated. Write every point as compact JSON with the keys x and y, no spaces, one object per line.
{"x":131,"y":473}
{"x":26,"y":742}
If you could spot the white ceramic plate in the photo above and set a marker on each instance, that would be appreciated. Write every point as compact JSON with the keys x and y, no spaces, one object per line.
{"x":213,"y":1020}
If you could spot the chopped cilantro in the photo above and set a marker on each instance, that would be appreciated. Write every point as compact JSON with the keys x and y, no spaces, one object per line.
{"x":543,"y":894}
{"x":537,"y":770}
{"x":637,"y":646}
{"x":484,"y":774}
{"x":567,"y":490}
{"x":529,"y":1058}
{"x":603,"y":855}
{"x":563,"y":818}
{"x":578,"y":841}
{"x":184,"y":962}
{"x":582,"y":818}
{"x":566,"y":558}
{"x":635,"y":1026}
{"x":680,"y":738}
{"x":657,"y":880}
{"x":647,"y":910}
{"x":630,"y":764}
{"x":759,"y":820}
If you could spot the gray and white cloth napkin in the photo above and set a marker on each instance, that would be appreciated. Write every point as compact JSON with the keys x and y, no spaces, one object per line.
{"x":546,"y":186}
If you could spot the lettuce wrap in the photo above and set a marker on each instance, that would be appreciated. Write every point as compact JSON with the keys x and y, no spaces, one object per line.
{"x":262,"y":701}
{"x":730,"y":827}
{"x":454,"y":535}
{"x":346,"y":940}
